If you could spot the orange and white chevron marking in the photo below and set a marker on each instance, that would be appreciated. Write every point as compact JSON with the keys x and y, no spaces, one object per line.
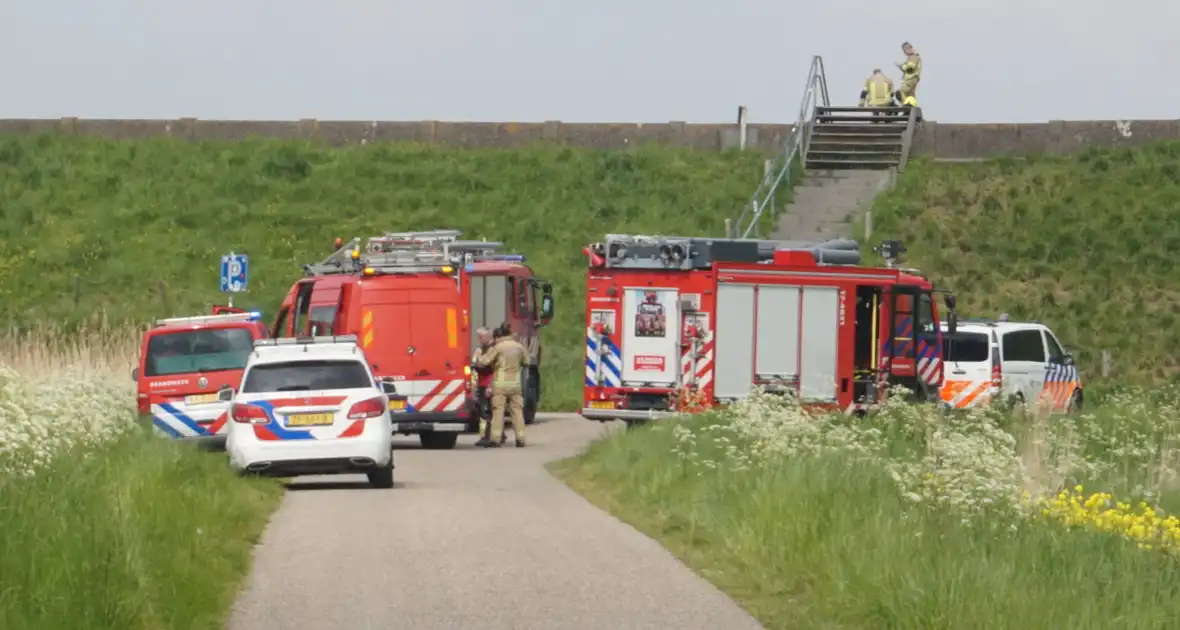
{"x":966,"y":394}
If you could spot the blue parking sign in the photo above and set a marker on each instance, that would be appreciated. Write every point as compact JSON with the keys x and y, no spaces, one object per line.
{"x":234,"y":272}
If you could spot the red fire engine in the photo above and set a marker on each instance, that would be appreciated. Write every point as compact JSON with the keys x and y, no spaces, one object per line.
{"x":675,"y":323}
{"x":415,"y":301}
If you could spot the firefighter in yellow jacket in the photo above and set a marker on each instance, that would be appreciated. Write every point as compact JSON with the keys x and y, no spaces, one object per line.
{"x":911,"y":73}
{"x":878,"y":90}
{"x":509,"y":358}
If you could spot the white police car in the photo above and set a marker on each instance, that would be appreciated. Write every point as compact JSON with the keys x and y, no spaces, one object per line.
{"x":311,"y":406}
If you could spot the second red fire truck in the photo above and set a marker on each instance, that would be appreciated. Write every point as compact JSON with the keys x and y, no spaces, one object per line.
{"x":674,"y":323}
{"x":415,"y":300}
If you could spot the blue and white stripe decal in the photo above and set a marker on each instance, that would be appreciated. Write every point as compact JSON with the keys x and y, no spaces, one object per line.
{"x":1059,"y":373}
{"x":611,"y":357}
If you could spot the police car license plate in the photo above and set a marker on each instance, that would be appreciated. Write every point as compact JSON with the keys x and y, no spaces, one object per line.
{"x":200,"y":399}
{"x":601,"y":404}
{"x":397,"y":405}
{"x":310,"y":419}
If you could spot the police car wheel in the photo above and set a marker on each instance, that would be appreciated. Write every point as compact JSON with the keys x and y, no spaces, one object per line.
{"x":438,"y":441}
{"x":382,"y":477}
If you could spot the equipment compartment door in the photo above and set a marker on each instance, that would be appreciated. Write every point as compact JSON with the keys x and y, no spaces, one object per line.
{"x":778,"y":333}
{"x":733,"y":370}
{"x":819,"y":343}
{"x":651,"y":336}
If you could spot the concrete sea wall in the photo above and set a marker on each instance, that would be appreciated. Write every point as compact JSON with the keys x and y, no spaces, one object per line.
{"x":941,"y":140}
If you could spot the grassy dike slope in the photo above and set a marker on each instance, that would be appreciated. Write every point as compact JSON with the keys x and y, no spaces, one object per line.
{"x":1084,"y":243}
{"x":135,"y":228}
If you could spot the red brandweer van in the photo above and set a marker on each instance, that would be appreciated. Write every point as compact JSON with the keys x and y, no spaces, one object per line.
{"x":183,"y":363}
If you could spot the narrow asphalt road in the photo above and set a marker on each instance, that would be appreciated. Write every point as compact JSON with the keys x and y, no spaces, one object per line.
{"x":469,"y":538}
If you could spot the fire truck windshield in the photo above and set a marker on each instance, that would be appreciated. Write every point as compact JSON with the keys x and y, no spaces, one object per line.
{"x":192,"y":351}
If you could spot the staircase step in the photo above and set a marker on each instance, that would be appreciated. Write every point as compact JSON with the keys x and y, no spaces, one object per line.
{"x":852,"y":164}
{"x":861,"y":120}
{"x":858,"y":129}
{"x":862,"y":110}
{"x":867,"y":140}
{"x":852,"y":151}
{"x":806,"y":191}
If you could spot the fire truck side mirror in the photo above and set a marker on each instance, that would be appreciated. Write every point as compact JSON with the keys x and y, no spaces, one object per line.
{"x":546,"y":314}
{"x":225,"y":394}
{"x":949,"y":299}
{"x":952,"y":323}
{"x":135,"y":374}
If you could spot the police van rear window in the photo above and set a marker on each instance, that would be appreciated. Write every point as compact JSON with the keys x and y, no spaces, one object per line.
{"x":299,"y":376}
{"x":193,"y":351}
{"x":966,"y":347}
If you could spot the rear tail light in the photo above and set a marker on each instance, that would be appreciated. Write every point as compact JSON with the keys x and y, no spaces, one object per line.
{"x":370,"y":408}
{"x":249,"y":414}
{"x":997,"y":374}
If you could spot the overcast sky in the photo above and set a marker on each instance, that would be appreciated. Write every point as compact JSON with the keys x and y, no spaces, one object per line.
{"x":604,"y":60}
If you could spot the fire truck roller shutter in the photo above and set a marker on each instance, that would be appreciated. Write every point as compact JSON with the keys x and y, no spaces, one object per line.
{"x":777,"y":333}
{"x":819,"y":338}
{"x":733,"y":367}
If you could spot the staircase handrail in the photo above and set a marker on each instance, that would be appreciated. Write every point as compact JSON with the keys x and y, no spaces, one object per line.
{"x":815,"y":94}
{"x":907,"y":139}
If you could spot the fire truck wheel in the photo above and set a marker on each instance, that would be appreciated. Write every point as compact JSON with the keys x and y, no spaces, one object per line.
{"x":438,"y":441}
{"x":530,"y":402}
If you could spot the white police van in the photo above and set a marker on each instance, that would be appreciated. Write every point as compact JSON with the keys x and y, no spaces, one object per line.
{"x":1008,"y":362}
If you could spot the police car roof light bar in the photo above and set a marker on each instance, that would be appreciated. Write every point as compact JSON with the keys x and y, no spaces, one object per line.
{"x":293,"y":341}
{"x":209,"y":319}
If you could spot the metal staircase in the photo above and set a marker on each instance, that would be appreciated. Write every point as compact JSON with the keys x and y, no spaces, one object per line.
{"x":829,"y":139}
{"x":859,"y":138}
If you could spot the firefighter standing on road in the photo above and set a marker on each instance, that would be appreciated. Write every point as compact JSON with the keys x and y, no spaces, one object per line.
{"x":911,"y":73}
{"x":878,"y":90}
{"x":509,"y":358}
{"x":481,"y":380}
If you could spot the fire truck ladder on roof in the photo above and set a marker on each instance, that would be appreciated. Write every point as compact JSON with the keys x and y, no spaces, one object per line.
{"x":408,"y":252}
{"x":630,"y":251}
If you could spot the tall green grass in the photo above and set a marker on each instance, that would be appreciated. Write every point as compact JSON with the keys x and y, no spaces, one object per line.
{"x":1085,"y":243}
{"x":104,"y":525}
{"x":141,"y":534}
{"x":135,"y":228}
{"x":815,"y":523}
